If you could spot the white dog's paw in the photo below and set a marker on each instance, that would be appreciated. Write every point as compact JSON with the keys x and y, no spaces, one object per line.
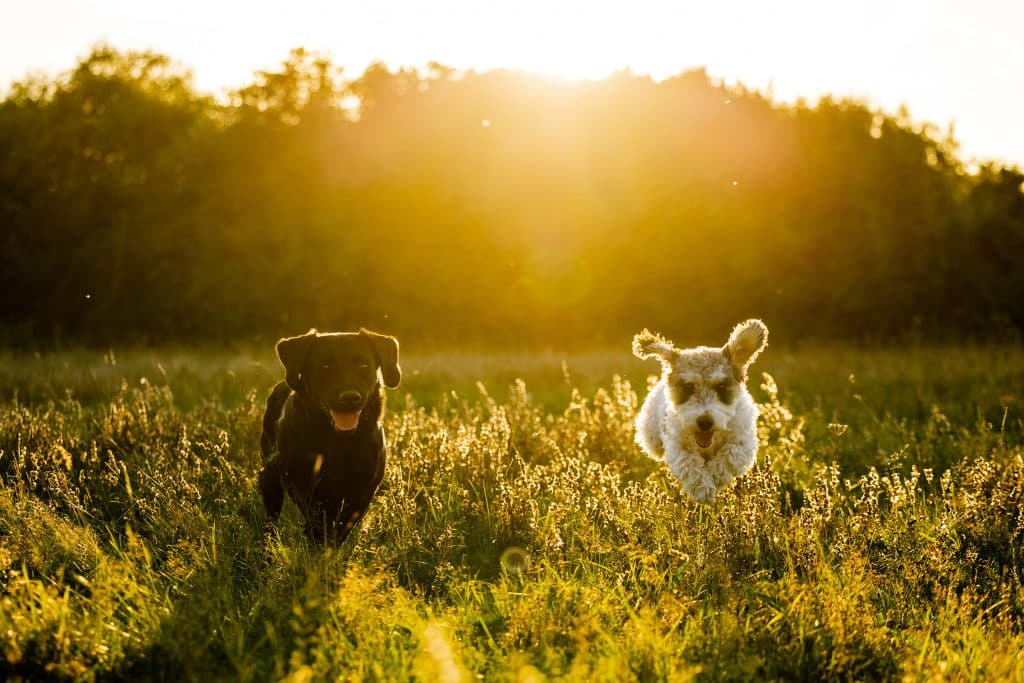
{"x":701,"y":489}
{"x":740,"y":459}
{"x":720,"y":470}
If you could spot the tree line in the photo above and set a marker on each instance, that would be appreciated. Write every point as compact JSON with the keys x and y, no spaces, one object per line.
{"x":498,"y":207}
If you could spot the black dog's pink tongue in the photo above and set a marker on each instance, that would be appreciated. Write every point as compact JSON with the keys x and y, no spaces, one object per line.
{"x":346,"y":422}
{"x":704,"y":438}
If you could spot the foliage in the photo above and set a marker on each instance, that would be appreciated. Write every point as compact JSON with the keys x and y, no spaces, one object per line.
{"x":520,"y":536}
{"x":484,"y":207}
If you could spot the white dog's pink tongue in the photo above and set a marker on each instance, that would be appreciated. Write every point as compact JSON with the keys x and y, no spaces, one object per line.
{"x":345,"y":421}
{"x":704,"y":438}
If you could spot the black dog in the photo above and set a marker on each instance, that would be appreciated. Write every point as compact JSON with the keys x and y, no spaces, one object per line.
{"x":323,"y":421}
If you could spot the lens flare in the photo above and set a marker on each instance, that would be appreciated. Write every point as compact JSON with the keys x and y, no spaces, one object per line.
{"x":515,"y":560}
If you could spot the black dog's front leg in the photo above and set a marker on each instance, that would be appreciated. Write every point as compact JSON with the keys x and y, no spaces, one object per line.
{"x":348,"y":519}
{"x":321,"y":528}
{"x":272,"y":489}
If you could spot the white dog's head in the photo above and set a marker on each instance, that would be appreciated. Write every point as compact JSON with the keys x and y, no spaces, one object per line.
{"x":705,"y":383}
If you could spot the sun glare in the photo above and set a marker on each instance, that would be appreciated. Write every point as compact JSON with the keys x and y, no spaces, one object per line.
{"x":944,"y":60}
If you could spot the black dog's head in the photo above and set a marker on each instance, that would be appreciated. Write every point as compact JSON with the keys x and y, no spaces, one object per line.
{"x":338,"y":371}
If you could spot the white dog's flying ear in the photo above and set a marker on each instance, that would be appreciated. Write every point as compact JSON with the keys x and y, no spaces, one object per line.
{"x":650,"y":345}
{"x":746,"y":341}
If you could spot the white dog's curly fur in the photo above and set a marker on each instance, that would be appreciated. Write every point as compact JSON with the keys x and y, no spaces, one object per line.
{"x":699,"y":418}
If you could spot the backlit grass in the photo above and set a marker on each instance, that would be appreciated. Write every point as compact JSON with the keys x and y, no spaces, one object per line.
{"x":519,"y":533}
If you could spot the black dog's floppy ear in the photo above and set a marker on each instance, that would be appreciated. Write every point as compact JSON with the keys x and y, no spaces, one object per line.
{"x":386,"y":348}
{"x":746,"y":341}
{"x":292,"y":352}
{"x":647,"y":344}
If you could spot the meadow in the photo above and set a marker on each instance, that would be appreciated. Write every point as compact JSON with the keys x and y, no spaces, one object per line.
{"x":519,"y":534}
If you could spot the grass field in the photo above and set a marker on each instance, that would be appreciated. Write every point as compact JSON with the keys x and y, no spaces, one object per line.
{"x":519,"y":533}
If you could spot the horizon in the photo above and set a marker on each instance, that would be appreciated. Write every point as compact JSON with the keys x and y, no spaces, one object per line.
{"x":887,"y":57}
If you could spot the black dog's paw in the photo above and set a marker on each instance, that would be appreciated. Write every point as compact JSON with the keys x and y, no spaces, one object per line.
{"x":271,"y":532}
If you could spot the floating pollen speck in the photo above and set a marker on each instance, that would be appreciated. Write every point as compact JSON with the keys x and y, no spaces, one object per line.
{"x":486,"y":123}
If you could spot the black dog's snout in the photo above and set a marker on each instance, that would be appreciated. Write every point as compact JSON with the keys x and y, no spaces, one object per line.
{"x":350,"y":398}
{"x":705,"y":422}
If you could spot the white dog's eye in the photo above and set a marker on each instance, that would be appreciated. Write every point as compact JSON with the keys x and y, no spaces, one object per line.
{"x":682,"y":391}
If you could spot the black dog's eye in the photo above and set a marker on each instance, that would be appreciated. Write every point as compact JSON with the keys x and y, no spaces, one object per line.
{"x":364,"y":366}
{"x":325,"y":366}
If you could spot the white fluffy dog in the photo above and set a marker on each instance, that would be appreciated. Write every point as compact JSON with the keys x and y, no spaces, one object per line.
{"x":699,"y":418}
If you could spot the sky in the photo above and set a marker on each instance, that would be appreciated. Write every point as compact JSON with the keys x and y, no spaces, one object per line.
{"x":946,"y":60}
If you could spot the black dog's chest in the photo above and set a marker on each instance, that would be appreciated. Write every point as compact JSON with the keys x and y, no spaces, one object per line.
{"x":334,"y":474}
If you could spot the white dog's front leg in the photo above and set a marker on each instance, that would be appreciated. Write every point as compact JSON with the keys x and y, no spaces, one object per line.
{"x":740,"y":457}
{"x":720,"y":470}
{"x":733,"y":459}
{"x":689,"y":469}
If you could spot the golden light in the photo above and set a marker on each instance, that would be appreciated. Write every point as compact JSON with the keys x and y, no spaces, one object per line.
{"x":945,"y":60}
